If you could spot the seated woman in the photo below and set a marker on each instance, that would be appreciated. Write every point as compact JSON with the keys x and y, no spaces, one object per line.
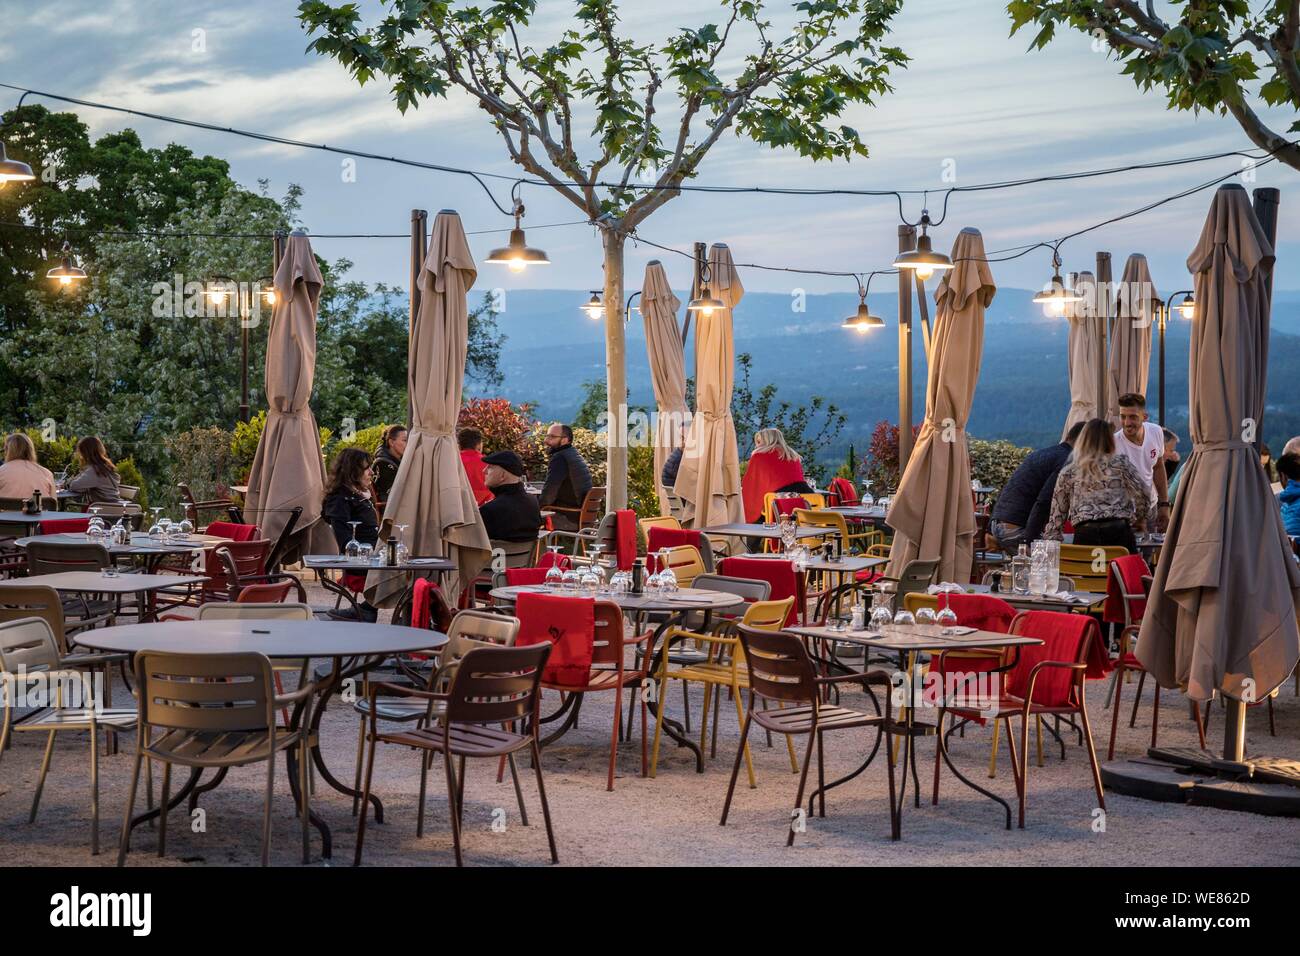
{"x":20,"y":475}
{"x":98,"y":482}
{"x":1099,"y":492}
{"x":350,"y":496}
{"x":388,"y":458}
{"x":773,"y":467}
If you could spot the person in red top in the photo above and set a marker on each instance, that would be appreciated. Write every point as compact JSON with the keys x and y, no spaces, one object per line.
{"x":471,"y":456}
{"x":773,"y":466}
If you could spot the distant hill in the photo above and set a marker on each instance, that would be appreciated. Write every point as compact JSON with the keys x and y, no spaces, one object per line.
{"x":551,"y":348}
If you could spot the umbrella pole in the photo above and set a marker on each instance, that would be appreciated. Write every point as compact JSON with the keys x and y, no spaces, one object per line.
{"x":419,"y":248}
{"x":906,"y":243}
{"x":1103,"y":283}
{"x":701,"y":250}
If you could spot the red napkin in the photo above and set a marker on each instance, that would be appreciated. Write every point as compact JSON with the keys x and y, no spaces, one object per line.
{"x":625,"y":538}
{"x":778,"y":573}
{"x":569,"y":624}
{"x":843,"y":489}
{"x":356,"y":583}
{"x":785,"y":506}
{"x":65,"y":526}
{"x":235,"y":532}
{"x":1061,"y":634}
{"x":523,"y":576}
{"x":420,"y":603}
{"x":552,"y":557}
{"x":1132,"y":568}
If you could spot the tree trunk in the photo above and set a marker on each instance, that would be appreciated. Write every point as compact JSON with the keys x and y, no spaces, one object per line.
{"x":615,"y":372}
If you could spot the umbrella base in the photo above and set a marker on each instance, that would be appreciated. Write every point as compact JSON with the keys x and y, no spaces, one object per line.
{"x":1264,"y":785}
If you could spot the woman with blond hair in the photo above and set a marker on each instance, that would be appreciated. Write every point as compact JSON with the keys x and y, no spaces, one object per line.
{"x":98,"y":482}
{"x":1099,"y":492}
{"x":20,"y":475}
{"x":773,"y":467}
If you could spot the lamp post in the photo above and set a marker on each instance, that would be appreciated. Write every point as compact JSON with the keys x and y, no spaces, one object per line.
{"x":219,"y":289}
{"x":1188,"y":309}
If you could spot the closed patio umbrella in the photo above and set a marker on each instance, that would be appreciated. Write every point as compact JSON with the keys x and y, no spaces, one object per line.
{"x":664,"y":349}
{"x":431,"y":493}
{"x":288,"y":471}
{"x":709,"y":477}
{"x":933,"y":513}
{"x":1222,"y":613}
{"x":1130,"y":342}
{"x":1084,"y":349}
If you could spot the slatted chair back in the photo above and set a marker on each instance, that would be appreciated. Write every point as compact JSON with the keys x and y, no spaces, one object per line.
{"x":779,"y":666}
{"x":470,"y":630}
{"x":832,"y":521}
{"x":607,"y":636}
{"x":27,"y":644}
{"x":54,"y":557}
{"x":767,"y":615}
{"x":221,"y":693}
{"x":593,"y":507}
{"x":253,"y":611}
{"x":237,"y":560}
{"x":495,"y":685}
{"x":917,"y":576}
{"x":1089,"y":565}
{"x":686,"y":563}
{"x":660,"y":521}
{"x":514,"y":554}
{"x":35,"y":600}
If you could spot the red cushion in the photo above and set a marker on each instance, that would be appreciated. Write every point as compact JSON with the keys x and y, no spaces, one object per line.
{"x":657,"y":538}
{"x":569,"y":624}
{"x":867,"y":577}
{"x":523,"y":576}
{"x":785,"y":506}
{"x":844,"y":490}
{"x":554,"y":557}
{"x":1063,"y":636}
{"x":65,"y":526}
{"x":356,"y":583}
{"x":1132,"y":568}
{"x":780,"y":574}
{"x":235,"y":532}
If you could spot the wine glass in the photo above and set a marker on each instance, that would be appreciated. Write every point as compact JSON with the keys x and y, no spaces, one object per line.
{"x":904,"y":618}
{"x":947,"y":617}
{"x":569,"y":581}
{"x":590,"y":581}
{"x":867,"y":499}
{"x":185,"y":528}
{"x":403,"y":552}
{"x":353,"y":548}
{"x":925,"y":615}
{"x":554,"y":577}
{"x":881,"y":616}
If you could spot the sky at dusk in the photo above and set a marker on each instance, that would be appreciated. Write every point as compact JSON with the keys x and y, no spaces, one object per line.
{"x":973,"y":100}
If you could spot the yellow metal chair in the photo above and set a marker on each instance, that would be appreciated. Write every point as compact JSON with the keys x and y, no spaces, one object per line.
{"x":1088,"y":565}
{"x":835,"y":522}
{"x":660,"y":521}
{"x":769,"y":509}
{"x":724,"y":666}
{"x":686,"y":563}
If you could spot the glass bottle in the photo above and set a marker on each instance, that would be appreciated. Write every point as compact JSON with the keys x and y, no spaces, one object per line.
{"x":1020,"y":571}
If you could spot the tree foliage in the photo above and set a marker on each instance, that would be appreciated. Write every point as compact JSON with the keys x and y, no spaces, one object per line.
{"x":1219,"y":55}
{"x":808,"y":429}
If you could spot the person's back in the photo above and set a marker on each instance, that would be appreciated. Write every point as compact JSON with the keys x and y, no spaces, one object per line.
{"x":773,"y":467}
{"x":512,"y":514}
{"x":1288,"y":499}
{"x":19,"y":478}
{"x":98,"y":482}
{"x":1025,"y":502}
{"x":567,"y":477}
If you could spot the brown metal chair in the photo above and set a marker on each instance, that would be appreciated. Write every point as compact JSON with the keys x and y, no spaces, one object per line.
{"x":780,"y":671}
{"x":588,"y":514}
{"x":55,"y":557}
{"x":31,"y":665}
{"x":195,"y":510}
{"x":492,"y":687}
{"x":214,"y":711}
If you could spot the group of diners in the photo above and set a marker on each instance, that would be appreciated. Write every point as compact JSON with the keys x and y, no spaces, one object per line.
{"x":96,"y":480}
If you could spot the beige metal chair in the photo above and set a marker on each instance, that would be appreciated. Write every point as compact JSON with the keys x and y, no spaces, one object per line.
{"x":214,"y":711}
{"x":234,"y":611}
{"x":32,"y":671}
{"x":469,"y":629}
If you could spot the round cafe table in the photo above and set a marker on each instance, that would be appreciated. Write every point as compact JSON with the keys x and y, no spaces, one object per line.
{"x":670,"y":609}
{"x":352,"y":646}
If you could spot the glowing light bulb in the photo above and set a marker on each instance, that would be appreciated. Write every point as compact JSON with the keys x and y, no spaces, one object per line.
{"x":516,"y":265}
{"x":924,"y":272}
{"x":1054,"y":308}
{"x":65,"y":280}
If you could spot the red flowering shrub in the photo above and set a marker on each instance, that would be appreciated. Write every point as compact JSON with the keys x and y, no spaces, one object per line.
{"x":880,"y":464}
{"x":503,"y":425}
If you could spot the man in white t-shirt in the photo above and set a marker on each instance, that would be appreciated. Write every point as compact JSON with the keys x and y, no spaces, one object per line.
{"x":1144,"y":444}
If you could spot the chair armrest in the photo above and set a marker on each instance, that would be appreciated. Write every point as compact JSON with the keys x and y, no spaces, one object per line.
{"x":397,"y":690}
{"x":302,"y":692}
{"x":871,"y":677}
{"x":1033,"y":675}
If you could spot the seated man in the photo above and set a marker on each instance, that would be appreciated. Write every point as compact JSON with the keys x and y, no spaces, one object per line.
{"x":567,"y":477}
{"x":471,"y":456}
{"x":1025,"y":504}
{"x":512,"y":514}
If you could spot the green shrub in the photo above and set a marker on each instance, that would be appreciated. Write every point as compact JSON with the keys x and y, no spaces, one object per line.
{"x":204,"y":460}
{"x":55,"y":455}
{"x":366,"y":439}
{"x":641,"y":495}
{"x":243,"y":445}
{"x":992,"y":462}
{"x":129,"y":474}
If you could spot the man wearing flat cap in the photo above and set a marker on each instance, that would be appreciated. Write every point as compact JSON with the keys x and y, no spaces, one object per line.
{"x":513,"y":514}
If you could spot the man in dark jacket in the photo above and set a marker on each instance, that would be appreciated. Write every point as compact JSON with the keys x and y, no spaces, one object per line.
{"x":567,"y":477}
{"x":1025,"y":504}
{"x":512,"y":514}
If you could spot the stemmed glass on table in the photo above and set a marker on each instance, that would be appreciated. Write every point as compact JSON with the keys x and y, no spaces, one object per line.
{"x":353,"y":548}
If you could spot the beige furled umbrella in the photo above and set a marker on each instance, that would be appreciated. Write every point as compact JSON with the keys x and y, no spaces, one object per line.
{"x":1136,"y":307}
{"x":1084,"y":348}
{"x":431,"y":493}
{"x":288,"y":471}
{"x":709,"y":478}
{"x":667,"y":355}
{"x":1224,"y":601}
{"x":933,"y":514}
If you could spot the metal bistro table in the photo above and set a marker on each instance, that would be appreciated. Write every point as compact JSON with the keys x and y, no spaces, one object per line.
{"x":33,"y":521}
{"x":873,"y":514}
{"x":674,"y":609}
{"x":352,"y":646}
{"x":413,"y":567}
{"x":143,"y":586}
{"x":905,"y":641}
{"x":150,"y":551}
{"x":843,"y":569}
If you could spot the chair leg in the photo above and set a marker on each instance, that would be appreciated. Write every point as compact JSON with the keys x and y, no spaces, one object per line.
{"x":993,"y":753}
{"x":162,"y":808}
{"x":424,"y":787}
{"x":1092,"y":754}
{"x":704,"y":717}
{"x":821,"y":775}
{"x":361,"y":746}
{"x":1200,"y":723}
{"x":266,"y":810}
{"x":645,"y":755}
{"x":686,"y":706}
{"x":124,"y":841}
{"x":1137,"y":697}
{"x":895,"y":811}
{"x":546,"y":809}
{"x":40,"y":782}
{"x":451,"y":804}
{"x":94,"y":792}
{"x":304,"y":789}
{"x":717,"y":711}
{"x":1118,"y":688}
{"x":365,"y":798}
{"x":1016,"y":779}
{"x":803,"y":782}
{"x":659,"y":727}
{"x":519,"y":793}
{"x":938,"y":754}
{"x":460,"y":790}
{"x":1038,"y":736}
{"x":735,"y":769}
{"x":740,"y":719}
{"x":1024,"y":764}
{"x":1272,"y":727}
{"x":613,"y":737}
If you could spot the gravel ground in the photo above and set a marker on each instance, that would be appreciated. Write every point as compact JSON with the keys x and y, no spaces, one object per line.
{"x":672,"y":819}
